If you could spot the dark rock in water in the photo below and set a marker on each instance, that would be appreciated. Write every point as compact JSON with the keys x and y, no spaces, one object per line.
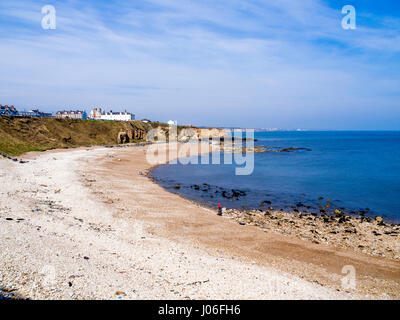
{"x":294,"y":149}
{"x":238,"y":193}
{"x":196,"y":187}
{"x":299,"y":205}
{"x":267,"y":202}
{"x":177,"y":186}
{"x":224,"y":194}
{"x":235,"y":194}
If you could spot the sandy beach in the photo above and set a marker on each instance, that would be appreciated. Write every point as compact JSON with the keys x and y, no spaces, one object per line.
{"x":89,"y":224}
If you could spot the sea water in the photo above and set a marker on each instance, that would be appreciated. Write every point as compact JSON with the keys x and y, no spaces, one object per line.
{"x":352,"y":170}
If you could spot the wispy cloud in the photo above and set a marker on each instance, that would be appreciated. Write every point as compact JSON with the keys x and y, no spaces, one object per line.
{"x":282,"y":63}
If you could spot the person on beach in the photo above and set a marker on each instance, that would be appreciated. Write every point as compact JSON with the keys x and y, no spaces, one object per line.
{"x":219,"y":209}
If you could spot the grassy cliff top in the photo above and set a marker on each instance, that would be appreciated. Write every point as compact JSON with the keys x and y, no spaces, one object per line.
{"x":20,"y":135}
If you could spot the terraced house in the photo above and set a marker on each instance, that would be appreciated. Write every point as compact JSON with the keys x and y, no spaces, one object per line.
{"x":71,"y":114}
{"x":8,"y":110}
{"x":35,"y":113}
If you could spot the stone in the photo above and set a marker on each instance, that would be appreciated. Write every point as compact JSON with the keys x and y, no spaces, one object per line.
{"x":379,"y":219}
{"x":338,"y":212}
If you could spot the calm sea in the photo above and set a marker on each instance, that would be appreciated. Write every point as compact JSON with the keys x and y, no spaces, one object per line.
{"x":349,"y":169}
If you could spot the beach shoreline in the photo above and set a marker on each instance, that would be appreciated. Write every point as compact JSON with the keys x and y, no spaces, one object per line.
{"x":364,"y":233}
{"x":96,"y":203}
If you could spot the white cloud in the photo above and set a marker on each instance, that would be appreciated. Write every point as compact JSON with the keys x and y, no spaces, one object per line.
{"x":266,"y":58}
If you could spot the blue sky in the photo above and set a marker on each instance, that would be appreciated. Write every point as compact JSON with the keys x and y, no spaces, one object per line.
{"x":260,"y":63}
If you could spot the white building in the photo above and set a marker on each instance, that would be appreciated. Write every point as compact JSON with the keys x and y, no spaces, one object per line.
{"x":99,"y":114}
{"x":172,"y":123}
{"x":118,"y":116}
{"x":96,"y":114}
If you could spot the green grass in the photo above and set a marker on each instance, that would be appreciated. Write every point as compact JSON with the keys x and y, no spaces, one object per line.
{"x":21,"y":135}
{"x":13,"y":149}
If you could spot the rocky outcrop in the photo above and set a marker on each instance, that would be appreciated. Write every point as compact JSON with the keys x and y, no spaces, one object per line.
{"x":127,"y":136}
{"x":187,"y":134}
{"x":212,"y":133}
{"x":157,"y":135}
{"x":184,"y":134}
{"x":362,"y":234}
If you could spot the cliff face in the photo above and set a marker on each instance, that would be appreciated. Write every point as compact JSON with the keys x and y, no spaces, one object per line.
{"x":20,"y":135}
{"x":185,"y":134}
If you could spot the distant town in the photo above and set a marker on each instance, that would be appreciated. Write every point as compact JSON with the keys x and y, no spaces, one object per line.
{"x":100,"y":114}
{"x":95,"y":114}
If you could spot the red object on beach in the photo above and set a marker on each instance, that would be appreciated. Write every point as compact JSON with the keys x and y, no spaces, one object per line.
{"x":219,"y":205}
{"x":219,"y":209}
